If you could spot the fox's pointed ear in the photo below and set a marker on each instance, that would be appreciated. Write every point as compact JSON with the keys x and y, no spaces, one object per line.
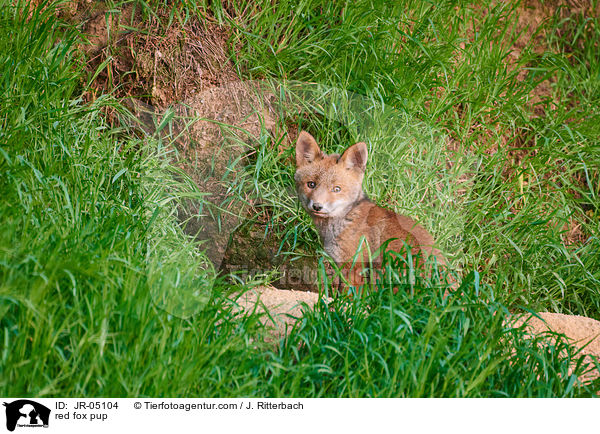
{"x":307,"y":149}
{"x":355,"y":157}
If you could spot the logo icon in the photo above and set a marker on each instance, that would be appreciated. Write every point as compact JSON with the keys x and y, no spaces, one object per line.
{"x":26,"y":413}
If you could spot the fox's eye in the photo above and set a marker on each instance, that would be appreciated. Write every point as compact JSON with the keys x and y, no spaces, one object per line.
{"x":311,"y":184}
{"x":337,"y":189}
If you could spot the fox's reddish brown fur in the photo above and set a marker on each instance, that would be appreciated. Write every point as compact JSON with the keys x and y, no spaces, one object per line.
{"x":330,"y":190}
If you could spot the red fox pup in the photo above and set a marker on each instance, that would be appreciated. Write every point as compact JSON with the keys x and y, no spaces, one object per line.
{"x":330,"y":190}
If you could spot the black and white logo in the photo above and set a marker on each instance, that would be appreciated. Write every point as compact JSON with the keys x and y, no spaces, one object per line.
{"x":25,"y":413}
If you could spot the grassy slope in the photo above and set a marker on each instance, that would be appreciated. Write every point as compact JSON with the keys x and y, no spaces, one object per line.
{"x":531,"y":177}
{"x":77,"y":311}
{"x":81,"y":201}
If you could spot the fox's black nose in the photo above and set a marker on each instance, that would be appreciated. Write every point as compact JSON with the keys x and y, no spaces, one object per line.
{"x":317,"y":206}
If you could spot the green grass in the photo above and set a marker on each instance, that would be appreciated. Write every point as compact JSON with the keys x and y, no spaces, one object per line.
{"x":94,"y":264}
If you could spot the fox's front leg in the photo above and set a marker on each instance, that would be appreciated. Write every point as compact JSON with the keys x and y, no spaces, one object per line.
{"x":351,"y":275}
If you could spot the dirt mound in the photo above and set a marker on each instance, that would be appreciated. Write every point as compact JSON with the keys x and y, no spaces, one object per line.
{"x":281,"y":309}
{"x":583,"y":332}
{"x":152,"y":58}
{"x":580,"y":331}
